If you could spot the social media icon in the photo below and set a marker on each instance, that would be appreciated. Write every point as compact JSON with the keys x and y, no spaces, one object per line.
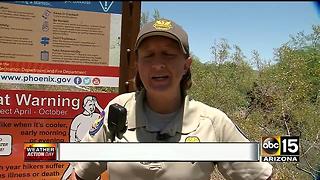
{"x":96,"y":81}
{"x":77,"y":80}
{"x":86,"y":81}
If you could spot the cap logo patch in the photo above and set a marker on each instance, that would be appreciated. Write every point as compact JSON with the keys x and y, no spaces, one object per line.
{"x":192,"y":139}
{"x":163,"y":25}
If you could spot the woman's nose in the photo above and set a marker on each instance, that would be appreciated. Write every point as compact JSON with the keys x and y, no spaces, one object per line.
{"x":158,"y":65}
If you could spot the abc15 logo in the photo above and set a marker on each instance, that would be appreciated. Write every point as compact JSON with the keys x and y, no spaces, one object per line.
{"x":280,"y":146}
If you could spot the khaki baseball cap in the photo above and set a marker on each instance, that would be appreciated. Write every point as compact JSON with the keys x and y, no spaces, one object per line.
{"x":167,"y":28}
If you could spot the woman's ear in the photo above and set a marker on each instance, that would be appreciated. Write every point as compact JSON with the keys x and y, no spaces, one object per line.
{"x":187,"y":64}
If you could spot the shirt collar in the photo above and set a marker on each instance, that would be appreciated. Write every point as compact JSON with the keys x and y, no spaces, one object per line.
{"x":189,"y":114}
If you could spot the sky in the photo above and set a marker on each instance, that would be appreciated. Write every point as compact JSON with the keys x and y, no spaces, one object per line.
{"x":261,"y":26}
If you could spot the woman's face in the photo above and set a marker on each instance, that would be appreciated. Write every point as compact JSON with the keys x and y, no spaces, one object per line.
{"x":161,"y":64}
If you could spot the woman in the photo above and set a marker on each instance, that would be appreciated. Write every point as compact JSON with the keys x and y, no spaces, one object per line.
{"x":160,"y":111}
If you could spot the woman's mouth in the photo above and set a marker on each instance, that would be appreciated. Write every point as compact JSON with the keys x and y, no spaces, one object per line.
{"x":160,"y":77}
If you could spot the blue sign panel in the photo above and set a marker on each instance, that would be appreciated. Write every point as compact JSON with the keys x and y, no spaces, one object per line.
{"x":114,"y":7}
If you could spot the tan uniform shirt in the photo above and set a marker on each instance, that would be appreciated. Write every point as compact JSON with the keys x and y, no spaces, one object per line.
{"x":195,"y":119}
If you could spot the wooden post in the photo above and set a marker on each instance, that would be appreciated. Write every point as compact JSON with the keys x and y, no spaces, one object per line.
{"x":131,"y":12}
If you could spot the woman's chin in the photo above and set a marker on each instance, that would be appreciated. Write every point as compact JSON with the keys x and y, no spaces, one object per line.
{"x":159,"y":89}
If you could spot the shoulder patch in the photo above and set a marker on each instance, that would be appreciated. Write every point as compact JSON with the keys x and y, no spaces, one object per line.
{"x":97,"y":124}
{"x":192,"y":139}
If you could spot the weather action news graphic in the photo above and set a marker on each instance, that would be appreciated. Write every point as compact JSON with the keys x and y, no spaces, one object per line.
{"x":40,"y":152}
{"x":280,"y":149}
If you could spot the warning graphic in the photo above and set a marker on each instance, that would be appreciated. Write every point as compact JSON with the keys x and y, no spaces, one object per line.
{"x":43,"y":117}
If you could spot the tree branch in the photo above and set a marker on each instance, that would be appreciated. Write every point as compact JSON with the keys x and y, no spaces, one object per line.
{"x":264,"y":128}
{"x":310,"y":165}
{"x":306,"y":171}
{"x":313,"y":144}
{"x":285,"y":123}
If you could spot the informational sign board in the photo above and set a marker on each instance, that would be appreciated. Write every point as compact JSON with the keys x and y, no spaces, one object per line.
{"x":60,"y":43}
{"x":46,"y":117}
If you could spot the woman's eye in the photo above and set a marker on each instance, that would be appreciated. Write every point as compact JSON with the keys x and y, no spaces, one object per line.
{"x":148,"y":55}
{"x":170,"y":54}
